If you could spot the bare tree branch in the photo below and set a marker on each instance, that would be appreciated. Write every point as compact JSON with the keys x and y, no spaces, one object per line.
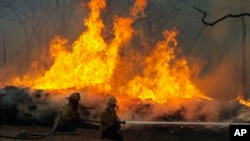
{"x":194,"y":40}
{"x":220,"y":19}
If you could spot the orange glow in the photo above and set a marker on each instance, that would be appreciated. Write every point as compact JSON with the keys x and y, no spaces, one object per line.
{"x":161,"y":81}
{"x":92,"y":61}
{"x":243,"y":102}
{"x":139,"y":7}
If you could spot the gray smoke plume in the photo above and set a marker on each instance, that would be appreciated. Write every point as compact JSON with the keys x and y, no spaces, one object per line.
{"x":25,"y":106}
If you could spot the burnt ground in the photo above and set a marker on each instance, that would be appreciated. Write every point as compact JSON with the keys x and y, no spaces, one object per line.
{"x":142,"y":133}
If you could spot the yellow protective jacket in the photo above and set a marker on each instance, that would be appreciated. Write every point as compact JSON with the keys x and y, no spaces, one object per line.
{"x":108,"y":118}
{"x":66,"y":114}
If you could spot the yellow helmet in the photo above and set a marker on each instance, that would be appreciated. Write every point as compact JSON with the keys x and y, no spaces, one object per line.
{"x":74,"y":96}
{"x":111,"y":100}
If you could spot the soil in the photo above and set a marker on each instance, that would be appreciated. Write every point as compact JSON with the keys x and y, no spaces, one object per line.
{"x":141,"y":133}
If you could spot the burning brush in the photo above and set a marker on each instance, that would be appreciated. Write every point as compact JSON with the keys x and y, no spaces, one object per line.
{"x":158,"y":87}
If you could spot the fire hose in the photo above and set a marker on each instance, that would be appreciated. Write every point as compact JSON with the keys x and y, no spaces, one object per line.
{"x":26,"y":135}
{"x":185,"y":123}
{"x":176,"y":123}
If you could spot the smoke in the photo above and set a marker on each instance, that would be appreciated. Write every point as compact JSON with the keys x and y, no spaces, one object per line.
{"x":189,"y":110}
{"x":222,"y":82}
{"x":26,"y":106}
{"x":219,"y":47}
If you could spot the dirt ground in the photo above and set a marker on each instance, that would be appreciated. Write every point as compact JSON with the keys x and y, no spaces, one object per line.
{"x":145,"y":133}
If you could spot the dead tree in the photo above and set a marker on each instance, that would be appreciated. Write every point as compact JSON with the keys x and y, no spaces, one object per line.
{"x":4,"y":52}
{"x":243,"y":92}
{"x":4,"y":58}
{"x":35,"y":17}
{"x":220,"y":19}
{"x":243,"y":43}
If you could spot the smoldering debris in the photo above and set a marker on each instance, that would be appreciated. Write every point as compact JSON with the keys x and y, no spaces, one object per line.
{"x":216,"y":111}
{"x":207,"y":117}
{"x":20,"y":106}
{"x":26,"y":106}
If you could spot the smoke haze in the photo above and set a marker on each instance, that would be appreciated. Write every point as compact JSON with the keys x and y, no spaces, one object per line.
{"x":213,"y":53}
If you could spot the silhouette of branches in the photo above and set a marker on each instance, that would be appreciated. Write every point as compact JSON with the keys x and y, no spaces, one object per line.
{"x":220,"y":19}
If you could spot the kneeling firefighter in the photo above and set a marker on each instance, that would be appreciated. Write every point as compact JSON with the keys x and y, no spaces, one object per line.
{"x":68,"y":118}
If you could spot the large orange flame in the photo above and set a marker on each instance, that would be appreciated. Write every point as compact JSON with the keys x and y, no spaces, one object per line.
{"x":77,"y":69}
{"x":92,"y":61}
{"x":161,"y":81}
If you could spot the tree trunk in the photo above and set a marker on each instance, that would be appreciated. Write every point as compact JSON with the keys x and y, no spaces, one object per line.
{"x":243,"y":43}
{"x":4,"y":74}
{"x":4,"y":53}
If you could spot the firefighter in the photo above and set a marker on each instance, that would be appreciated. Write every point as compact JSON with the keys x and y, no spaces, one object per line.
{"x":110,"y":122}
{"x":68,"y":118}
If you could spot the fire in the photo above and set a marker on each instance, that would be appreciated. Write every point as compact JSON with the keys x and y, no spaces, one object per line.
{"x":92,"y":61}
{"x":139,"y":8}
{"x":243,"y":102}
{"x":160,"y":80}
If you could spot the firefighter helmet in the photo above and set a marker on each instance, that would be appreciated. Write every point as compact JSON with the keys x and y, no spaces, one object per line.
{"x":111,"y":100}
{"x":74,"y":96}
